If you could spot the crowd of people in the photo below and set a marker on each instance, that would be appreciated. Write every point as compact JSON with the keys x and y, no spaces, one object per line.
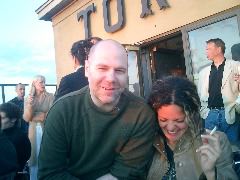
{"x":95,"y":128}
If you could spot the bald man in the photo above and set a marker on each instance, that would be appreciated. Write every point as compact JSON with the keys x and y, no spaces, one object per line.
{"x":101,"y":131}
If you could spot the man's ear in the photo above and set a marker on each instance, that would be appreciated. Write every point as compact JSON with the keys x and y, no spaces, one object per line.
{"x":86,"y":67}
{"x":219,"y":50}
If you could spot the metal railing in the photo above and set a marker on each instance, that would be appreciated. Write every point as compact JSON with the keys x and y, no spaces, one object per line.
{"x":4,"y":86}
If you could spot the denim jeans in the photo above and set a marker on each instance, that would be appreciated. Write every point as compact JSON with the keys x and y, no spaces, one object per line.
{"x":216,"y":117}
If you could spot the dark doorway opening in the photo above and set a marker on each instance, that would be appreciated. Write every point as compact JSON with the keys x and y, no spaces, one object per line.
{"x":168,"y":57}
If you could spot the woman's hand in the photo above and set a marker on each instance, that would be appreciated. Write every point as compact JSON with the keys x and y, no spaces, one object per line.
{"x":30,"y":100}
{"x":28,"y":109}
{"x":209,"y":153}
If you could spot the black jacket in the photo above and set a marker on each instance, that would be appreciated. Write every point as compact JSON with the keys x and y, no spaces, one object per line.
{"x":71,"y":82}
{"x":8,"y":156}
{"x":20,"y":103}
{"x":22,"y":145}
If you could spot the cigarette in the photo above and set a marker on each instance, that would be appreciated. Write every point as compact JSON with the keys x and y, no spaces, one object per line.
{"x":214,"y":129}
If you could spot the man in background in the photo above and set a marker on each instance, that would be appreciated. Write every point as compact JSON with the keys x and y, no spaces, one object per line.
{"x":19,"y":101}
{"x":102,"y":131}
{"x":219,"y":91}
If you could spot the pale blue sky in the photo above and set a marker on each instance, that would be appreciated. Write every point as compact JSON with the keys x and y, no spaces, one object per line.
{"x":26,"y":43}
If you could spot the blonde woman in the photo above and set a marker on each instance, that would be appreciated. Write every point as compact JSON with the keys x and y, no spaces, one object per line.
{"x":36,"y":106}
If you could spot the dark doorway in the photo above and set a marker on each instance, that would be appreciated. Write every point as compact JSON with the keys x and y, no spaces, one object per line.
{"x":169,"y":58}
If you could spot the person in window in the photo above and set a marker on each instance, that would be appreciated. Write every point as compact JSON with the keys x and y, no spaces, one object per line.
{"x":181,"y":150}
{"x":36,"y":106}
{"x":11,"y":115}
{"x":219,"y":89}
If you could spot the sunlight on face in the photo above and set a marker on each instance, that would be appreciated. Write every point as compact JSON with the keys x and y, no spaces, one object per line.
{"x":171,"y":119}
{"x":40,"y":84}
{"x":20,"y":90}
{"x":212,"y":51}
{"x":107,"y":74}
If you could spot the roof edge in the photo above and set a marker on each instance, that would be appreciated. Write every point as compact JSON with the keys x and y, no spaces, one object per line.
{"x":50,"y":8}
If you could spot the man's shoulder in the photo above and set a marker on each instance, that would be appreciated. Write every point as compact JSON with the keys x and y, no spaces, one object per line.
{"x":14,"y":100}
{"x":129,"y":95}
{"x":68,"y":104}
{"x":73,"y":96}
{"x":136,"y":101}
{"x":79,"y":93}
{"x":232,"y":62}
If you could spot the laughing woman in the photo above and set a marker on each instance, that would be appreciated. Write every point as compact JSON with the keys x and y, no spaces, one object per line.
{"x":182,"y":151}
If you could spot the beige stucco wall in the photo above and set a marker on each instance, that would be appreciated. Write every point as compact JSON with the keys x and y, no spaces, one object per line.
{"x":181,"y":12}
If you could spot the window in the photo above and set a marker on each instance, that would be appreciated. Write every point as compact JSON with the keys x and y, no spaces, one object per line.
{"x":133,"y":73}
{"x":227,"y":30}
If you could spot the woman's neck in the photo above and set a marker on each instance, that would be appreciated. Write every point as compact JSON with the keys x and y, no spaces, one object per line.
{"x":38,"y":93}
{"x":172,"y":145}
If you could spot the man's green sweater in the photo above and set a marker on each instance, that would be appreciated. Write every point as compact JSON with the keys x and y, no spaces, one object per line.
{"x":80,"y":141}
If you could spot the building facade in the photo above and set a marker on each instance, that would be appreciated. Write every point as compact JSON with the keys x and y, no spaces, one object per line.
{"x":163,"y":37}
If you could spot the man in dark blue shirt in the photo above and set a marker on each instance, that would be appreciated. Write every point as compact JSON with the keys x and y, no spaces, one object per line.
{"x":19,"y":101}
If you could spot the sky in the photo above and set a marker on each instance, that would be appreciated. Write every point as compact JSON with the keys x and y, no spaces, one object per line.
{"x":26,"y":43}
